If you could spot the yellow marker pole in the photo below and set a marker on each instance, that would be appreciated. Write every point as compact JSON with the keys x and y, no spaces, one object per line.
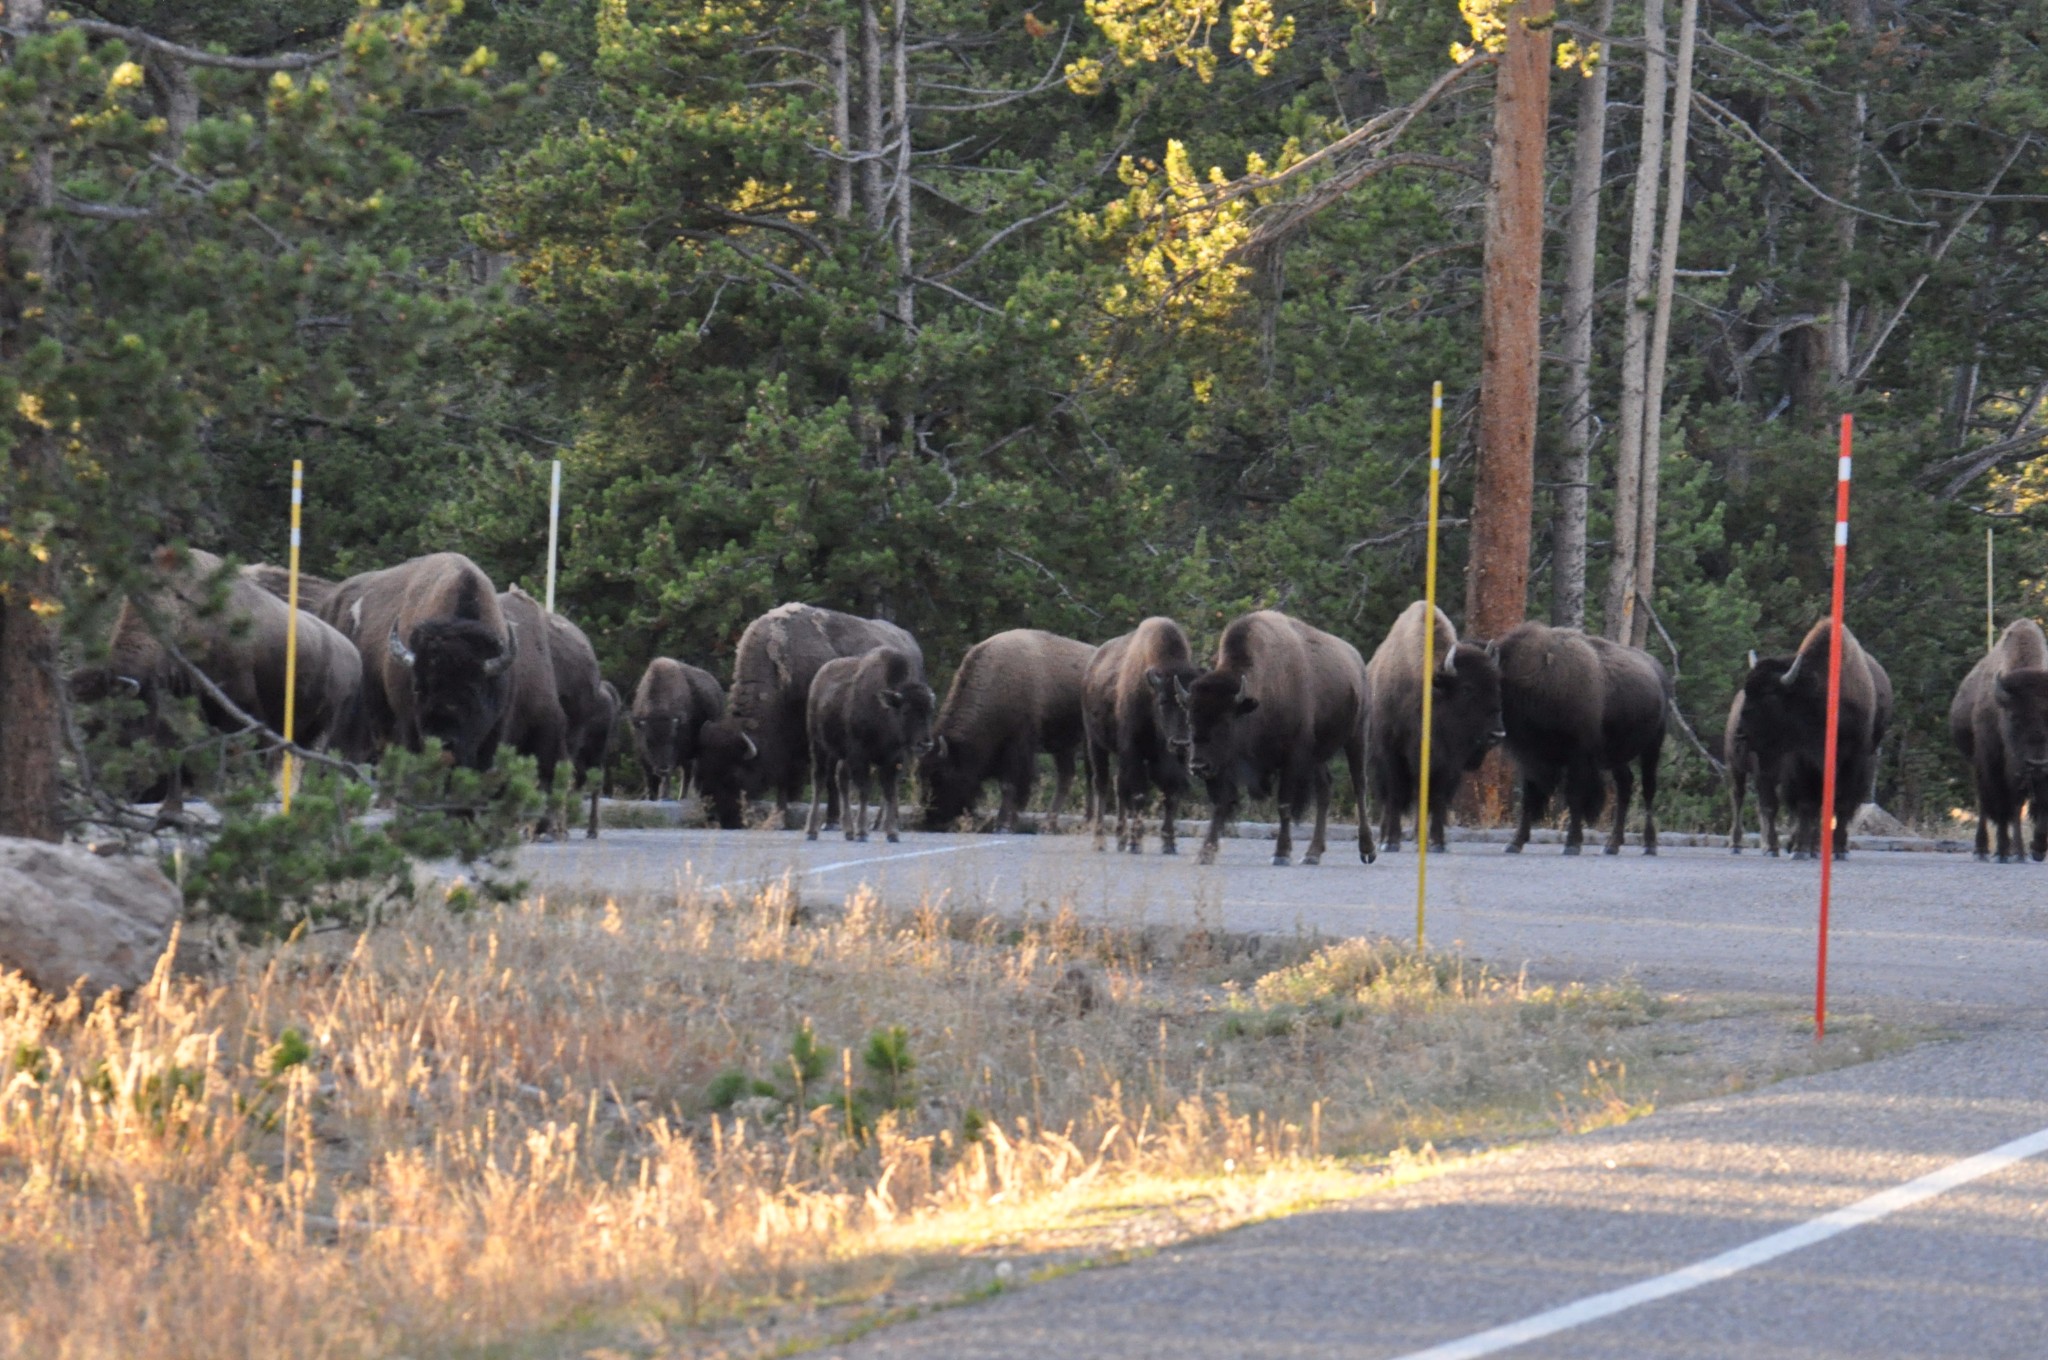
{"x":1436,"y":467}
{"x":291,"y":631}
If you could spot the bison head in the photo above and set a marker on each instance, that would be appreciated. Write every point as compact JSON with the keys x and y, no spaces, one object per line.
{"x":1782,"y":703}
{"x":1214,"y":706}
{"x":907,"y":718}
{"x":1465,"y":711}
{"x":1169,"y":715}
{"x":664,"y":742}
{"x":2022,"y":698}
{"x":460,"y":673}
{"x":729,"y":770}
{"x":951,"y":772}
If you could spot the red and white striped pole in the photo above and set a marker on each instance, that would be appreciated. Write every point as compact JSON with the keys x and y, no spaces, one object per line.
{"x":1834,"y":728}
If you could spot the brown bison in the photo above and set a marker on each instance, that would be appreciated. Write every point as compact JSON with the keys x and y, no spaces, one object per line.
{"x":761,"y":745}
{"x":2000,"y":723}
{"x":1016,"y":694}
{"x":590,"y":705}
{"x":1574,"y":707}
{"x":1465,"y":720}
{"x":314,"y":591}
{"x":1281,"y":700}
{"x":437,"y":653}
{"x":1132,"y":714}
{"x":1784,"y":710}
{"x":235,"y":633}
{"x":671,"y":705}
{"x":867,"y":715}
{"x":535,"y":721}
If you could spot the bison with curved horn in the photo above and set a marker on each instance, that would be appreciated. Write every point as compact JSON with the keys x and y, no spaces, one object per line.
{"x":2000,"y":723}
{"x":1465,"y":721}
{"x":1280,"y":701}
{"x":1133,"y":716}
{"x":1016,"y":694}
{"x":437,"y":653}
{"x":1574,"y":708}
{"x":1784,"y":710}
{"x":761,"y":745}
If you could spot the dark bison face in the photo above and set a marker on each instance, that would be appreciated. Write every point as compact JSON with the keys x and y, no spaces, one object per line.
{"x":1213,"y":706}
{"x":907,"y":719}
{"x":659,"y":739}
{"x":728,"y":769}
{"x":461,"y":679}
{"x":951,"y":775}
{"x":1466,"y":705}
{"x":2022,"y":698}
{"x":1783,"y":704}
{"x":1169,"y":716}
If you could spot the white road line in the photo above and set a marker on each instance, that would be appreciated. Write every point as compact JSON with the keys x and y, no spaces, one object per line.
{"x":855,"y":863}
{"x":1716,"y":1268}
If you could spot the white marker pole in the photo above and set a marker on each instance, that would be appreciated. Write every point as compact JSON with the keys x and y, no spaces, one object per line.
{"x":554,"y":528}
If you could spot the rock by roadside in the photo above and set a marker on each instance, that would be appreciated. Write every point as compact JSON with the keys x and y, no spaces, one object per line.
{"x":69,"y":916}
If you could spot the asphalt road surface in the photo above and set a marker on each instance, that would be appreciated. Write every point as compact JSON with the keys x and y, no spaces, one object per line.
{"x":1701,"y":1231}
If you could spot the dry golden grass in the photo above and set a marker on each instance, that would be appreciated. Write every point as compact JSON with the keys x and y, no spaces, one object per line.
{"x":493,"y":1133}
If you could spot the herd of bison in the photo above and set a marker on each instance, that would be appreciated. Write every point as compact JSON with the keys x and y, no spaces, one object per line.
{"x":432,"y":649}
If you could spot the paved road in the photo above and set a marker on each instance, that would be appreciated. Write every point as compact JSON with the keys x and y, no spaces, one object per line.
{"x":1401,"y":1274}
{"x":1940,"y":931}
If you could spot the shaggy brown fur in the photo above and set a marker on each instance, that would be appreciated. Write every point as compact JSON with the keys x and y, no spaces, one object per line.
{"x":866,"y":715}
{"x":1016,"y":694}
{"x":1999,"y":721}
{"x":671,"y":705}
{"x":1464,"y":722}
{"x":1784,"y":710}
{"x":1130,"y":713}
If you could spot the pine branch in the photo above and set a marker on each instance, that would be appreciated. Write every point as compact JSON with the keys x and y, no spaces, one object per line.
{"x":193,"y":56}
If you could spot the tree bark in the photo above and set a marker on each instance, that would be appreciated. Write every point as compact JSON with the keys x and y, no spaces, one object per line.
{"x":899,"y":110}
{"x":1582,"y":246}
{"x":842,"y":124}
{"x":31,"y":712}
{"x":1841,"y":331}
{"x":1628,"y":450}
{"x":1497,"y":580}
{"x":871,"y":196}
{"x":1660,"y":332}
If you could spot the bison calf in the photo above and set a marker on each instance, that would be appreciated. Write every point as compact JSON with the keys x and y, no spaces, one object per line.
{"x":1132,"y":713}
{"x":1464,"y":721}
{"x":670,"y":707}
{"x":867,"y":715}
{"x":2000,"y":723}
{"x":1574,"y":707}
{"x":1016,"y":694}
{"x":1281,"y":700}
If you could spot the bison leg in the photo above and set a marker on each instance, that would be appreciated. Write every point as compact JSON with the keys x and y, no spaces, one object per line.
{"x":1222,"y":802}
{"x":842,"y":788}
{"x":596,"y":786}
{"x":1062,"y":785}
{"x":866,"y":784}
{"x":2039,"y":848}
{"x":1649,"y":803}
{"x":1283,"y":846}
{"x":1100,"y":794}
{"x":1534,"y":800}
{"x":1169,"y":819}
{"x":819,"y":778}
{"x":1317,"y":842}
{"x":888,"y":812}
{"x":1624,"y":793}
{"x":1738,"y":786}
{"x":1354,"y":758}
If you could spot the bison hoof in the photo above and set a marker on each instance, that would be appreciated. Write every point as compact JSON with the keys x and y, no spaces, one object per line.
{"x":1513,"y":847}
{"x":893,"y":838}
{"x":2040,"y":854}
{"x":1841,"y":856}
{"x":1770,"y":854}
{"x":1206,"y":855}
{"x":1611,"y":848}
{"x":1735,"y":849}
{"x":1282,"y":861}
{"x":1983,"y":856}
{"x":1308,"y":860}
{"x":810,"y":835}
{"x":1574,"y":849}
{"x":1650,"y":850}
{"x":1366,"y":856}
{"x":1169,"y":848}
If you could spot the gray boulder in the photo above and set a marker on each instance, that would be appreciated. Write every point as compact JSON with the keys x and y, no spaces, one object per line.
{"x":69,"y":917}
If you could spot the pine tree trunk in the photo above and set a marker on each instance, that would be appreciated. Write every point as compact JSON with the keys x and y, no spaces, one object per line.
{"x":871,"y":197}
{"x":1582,"y":246}
{"x":1660,"y":330}
{"x":899,"y":109}
{"x":1497,"y":576}
{"x":842,"y":124}
{"x":1628,"y":448}
{"x":1847,"y":187}
{"x":31,"y":713}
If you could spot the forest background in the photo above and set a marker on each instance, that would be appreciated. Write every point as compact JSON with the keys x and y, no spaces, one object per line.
{"x":1140,"y":317}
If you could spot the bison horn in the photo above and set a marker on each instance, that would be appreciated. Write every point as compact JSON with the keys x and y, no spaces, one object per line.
{"x":753,"y":751}
{"x":400,"y":653}
{"x":1752,"y":658}
{"x":495,"y":667}
{"x":132,"y":685}
{"x":1180,"y":689}
{"x":939,"y":747}
{"x":892,"y":698}
{"x":1792,"y":671}
{"x":1450,"y":666}
{"x":1244,"y":686}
